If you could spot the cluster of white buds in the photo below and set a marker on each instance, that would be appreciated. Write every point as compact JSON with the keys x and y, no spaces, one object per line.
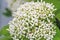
{"x":14,"y":4}
{"x":32,"y":20}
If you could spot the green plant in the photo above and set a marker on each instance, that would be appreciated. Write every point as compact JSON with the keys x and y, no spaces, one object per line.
{"x":7,"y":13}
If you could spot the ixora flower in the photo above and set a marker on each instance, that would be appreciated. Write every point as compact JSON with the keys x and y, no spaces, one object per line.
{"x":33,"y":20}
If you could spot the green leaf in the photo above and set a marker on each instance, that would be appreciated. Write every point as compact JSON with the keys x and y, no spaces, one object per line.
{"x":57,"y":36}
{"x":4,"y":34}
{"x":7,"y":13}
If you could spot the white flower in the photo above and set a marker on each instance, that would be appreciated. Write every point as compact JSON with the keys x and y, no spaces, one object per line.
{"x":14,"y":4}
{"x":33,"y":21}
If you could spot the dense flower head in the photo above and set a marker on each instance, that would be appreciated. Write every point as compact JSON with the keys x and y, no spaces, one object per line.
{"x":33,"y":20}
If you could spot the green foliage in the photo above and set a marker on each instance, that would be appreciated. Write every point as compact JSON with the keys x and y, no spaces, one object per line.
{"x":4,"y":34}
{"x":7,"y":12}
{"x":57,"y":36}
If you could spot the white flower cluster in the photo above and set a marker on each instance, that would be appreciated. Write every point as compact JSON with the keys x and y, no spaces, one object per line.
{"x":14,"y":4}
{"x":33,"y":21}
